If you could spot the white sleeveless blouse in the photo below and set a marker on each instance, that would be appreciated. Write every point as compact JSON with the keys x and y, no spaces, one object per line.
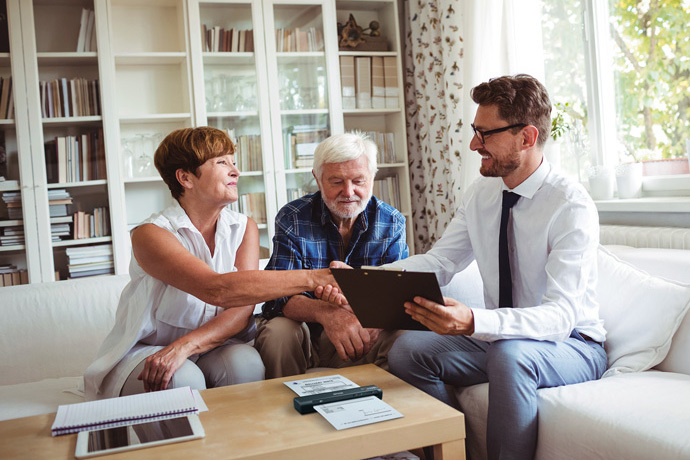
{"x":152,"y":314}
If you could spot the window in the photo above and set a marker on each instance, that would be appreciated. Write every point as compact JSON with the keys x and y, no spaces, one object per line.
{"x":623,"y":68}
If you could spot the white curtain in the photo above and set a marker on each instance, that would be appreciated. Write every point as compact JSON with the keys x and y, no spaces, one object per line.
{"x":451,"y":46}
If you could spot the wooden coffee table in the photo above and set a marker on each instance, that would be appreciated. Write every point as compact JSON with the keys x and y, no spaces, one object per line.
{"x":257,"y":421}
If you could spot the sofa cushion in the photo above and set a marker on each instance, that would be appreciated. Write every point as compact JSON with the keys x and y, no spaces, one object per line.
{"x":640,"y":312}
{"x":673,"y":264}
{"x":42,"y":397}
{"x":634,"y":416}
{"x":53,"y":330}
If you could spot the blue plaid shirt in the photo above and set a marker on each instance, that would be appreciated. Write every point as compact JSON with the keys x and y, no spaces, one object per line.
{"x":307,"y":238}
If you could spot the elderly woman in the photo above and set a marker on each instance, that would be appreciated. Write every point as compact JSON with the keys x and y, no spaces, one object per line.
{"x":185,"y":318}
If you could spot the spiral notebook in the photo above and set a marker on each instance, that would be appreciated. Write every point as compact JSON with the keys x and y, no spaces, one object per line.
{"x":125,"y":410}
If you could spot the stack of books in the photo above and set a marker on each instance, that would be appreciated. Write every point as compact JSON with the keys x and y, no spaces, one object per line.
{"x":60,"y":228}
{"x":218,"y":39}
{"x":248,"y":154}
{"x":252,"y":205}
{"x":90,"y":260}
{"x":94,"y":225}
{"x":59,"y":201}
{"x":75,"y":158}
{"x":86,"y":41}
{"x":385,"y":143}
{"x":12,"y":235}
{"x":387,"y":190}
{"x":369,"y":82}
{"x":10,"y":275}
{"x":76,"y":97}
{"x":299,"y":40}
{"x":6,"y":99}
{"x":301,"y":142}
{"x":13,"y":202}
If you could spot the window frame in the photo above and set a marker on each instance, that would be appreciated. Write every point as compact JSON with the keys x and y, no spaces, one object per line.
{"x":601,"y":105}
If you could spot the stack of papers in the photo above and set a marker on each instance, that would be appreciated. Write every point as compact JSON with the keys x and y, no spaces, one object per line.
{"x":344,"y":414}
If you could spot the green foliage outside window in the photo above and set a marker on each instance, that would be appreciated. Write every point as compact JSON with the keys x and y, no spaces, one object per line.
{"x":652,"y":74}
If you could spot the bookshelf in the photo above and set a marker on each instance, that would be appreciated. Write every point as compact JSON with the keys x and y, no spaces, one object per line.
{"x":386,"y":119}
{"x":267,"y":71}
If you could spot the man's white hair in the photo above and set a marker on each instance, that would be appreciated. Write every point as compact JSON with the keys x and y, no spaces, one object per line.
{"x":345,"y":147}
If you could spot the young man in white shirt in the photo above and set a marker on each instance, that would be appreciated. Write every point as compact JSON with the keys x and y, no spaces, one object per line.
{"x":549,"y":334}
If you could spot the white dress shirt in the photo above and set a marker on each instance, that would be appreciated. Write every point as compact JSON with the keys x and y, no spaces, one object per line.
{"x":552,"y":240}
{"x":152,"y":314}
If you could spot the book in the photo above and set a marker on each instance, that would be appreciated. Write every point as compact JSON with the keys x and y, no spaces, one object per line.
{"x":347,"y":82}
{"x":124,"y":410}
{"x":390,"y":76}
{"x":363,"y":82}
{"x":378,"y":94}
{"x":82,"y":30}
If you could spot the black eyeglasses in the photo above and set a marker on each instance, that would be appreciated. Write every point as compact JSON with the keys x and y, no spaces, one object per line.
{"x":481,"y":135}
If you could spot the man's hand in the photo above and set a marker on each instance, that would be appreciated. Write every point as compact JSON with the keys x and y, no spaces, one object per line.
{"x":160,"y":367}
{"x":455,"y":318}
{"x":350,"y":340}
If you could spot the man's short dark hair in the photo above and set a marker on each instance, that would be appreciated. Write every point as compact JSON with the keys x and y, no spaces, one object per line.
{"x":520,"y":99}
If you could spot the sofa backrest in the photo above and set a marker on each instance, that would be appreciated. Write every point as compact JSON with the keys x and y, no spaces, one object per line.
{"x":53,"y":330}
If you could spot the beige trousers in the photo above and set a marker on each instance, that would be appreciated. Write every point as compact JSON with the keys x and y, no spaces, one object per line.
{"x":287,"y":348}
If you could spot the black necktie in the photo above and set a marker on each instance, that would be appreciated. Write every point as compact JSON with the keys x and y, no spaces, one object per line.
{"x":505,"y":293}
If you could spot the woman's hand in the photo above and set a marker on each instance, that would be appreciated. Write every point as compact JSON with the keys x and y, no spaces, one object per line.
{"x":330,"y":294}
{"x":160,"y":367}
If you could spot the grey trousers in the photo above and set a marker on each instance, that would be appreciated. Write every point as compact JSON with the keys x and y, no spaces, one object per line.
{"x":288,"y":348}
{"x":224,"y":365}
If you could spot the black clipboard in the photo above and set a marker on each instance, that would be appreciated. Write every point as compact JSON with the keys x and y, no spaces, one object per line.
{"x":377,"y":296}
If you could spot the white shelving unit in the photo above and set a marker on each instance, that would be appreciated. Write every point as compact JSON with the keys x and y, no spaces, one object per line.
{"x":155,"y":75}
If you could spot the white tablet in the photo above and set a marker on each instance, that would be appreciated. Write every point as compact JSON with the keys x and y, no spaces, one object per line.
{"x":138,"y":436}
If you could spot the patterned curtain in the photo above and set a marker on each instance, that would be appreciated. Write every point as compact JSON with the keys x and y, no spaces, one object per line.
{"x":434,"y":104}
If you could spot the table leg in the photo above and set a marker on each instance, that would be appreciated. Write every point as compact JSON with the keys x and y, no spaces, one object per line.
{"x":453,"y":450}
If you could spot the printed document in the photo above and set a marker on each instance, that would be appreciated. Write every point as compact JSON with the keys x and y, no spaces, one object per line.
{"x":357,"y":412}
{"x":318,"y":385}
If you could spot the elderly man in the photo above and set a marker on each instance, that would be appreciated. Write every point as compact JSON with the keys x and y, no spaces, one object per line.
{"x":340,"y":222}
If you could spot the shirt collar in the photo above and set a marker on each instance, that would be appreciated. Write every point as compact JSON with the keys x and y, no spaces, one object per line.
{"x":534,"y":182}
{"x":179,"y":219}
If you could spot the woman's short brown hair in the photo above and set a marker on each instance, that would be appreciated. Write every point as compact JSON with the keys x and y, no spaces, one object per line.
{"x":187,"y":149}
{"x":520,"y":99}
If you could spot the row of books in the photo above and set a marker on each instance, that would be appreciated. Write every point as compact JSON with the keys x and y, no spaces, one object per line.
{"x":10,"y":275}
{"x":301,"y":142}
{"x":369,"y":82}
{"x":299,"y":192}
{"x":291,"y":40}
{"x":75,"y":97}
{"x":385,"y":143}
{"x":91,"y":225}
{"x":12,"y":235}
{"x":248,"y":152}
{"x":6,"y":99}
{"x":220,"y":39}
{"x":252,"y":205}
{"x":75,"y":158}
{"x":86,"y":40}
{"x":90,"y":260}
{"x":388,"y":190}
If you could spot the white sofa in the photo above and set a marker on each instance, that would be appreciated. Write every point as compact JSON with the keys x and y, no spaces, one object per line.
{"x":640,"y":410}
{"x":50,"y":333}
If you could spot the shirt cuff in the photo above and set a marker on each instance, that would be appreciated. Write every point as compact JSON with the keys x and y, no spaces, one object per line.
{"x":486,"y":324}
